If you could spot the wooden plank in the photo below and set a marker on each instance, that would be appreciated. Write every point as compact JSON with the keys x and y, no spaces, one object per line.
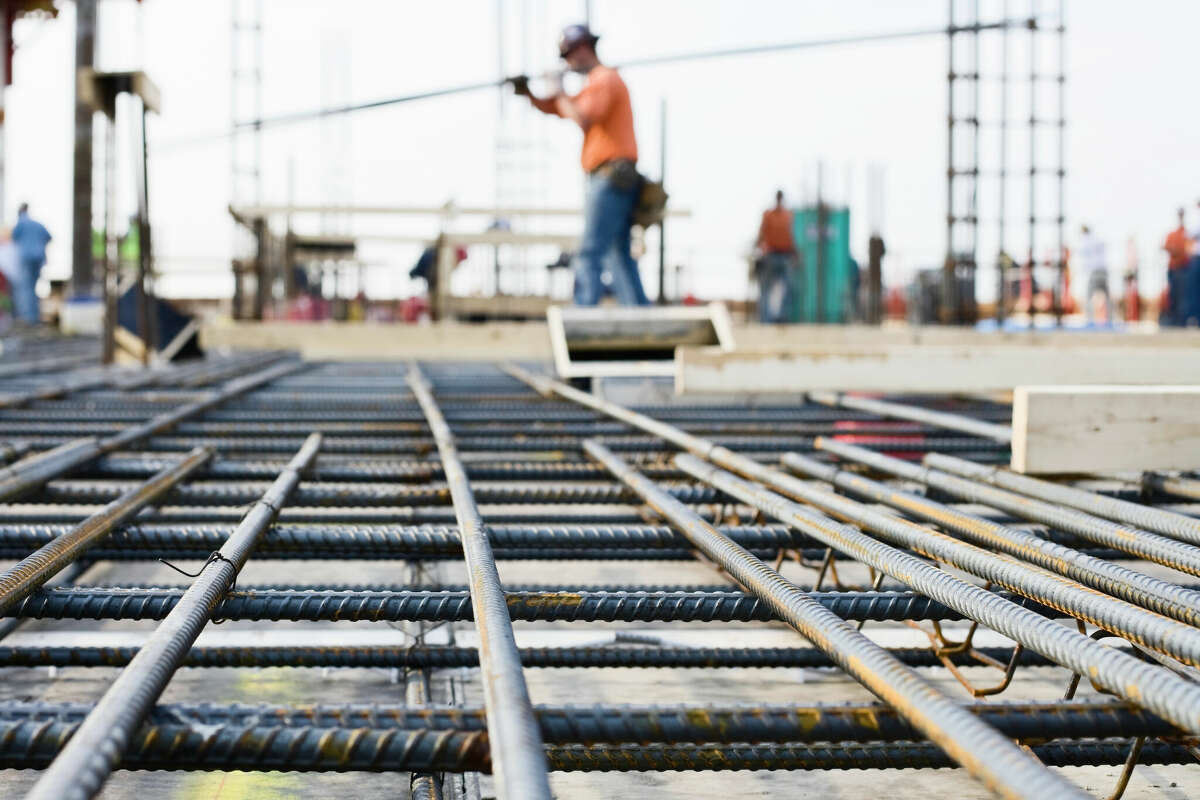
{"x":908,"y":368}
{"x":1105,"y":428}
{"x":448,"y":341}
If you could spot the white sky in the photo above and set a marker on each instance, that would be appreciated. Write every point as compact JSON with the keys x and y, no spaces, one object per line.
{"x":737,"y":128}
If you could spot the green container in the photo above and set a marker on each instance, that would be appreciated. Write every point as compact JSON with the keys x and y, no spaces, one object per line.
{"x":823,"y":286}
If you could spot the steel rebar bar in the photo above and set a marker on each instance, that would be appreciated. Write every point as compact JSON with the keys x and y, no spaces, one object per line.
{"x":997,"y":762}
{"x":35,"y":569}
{"x":517,"y":752}
{"x":80,"y":769}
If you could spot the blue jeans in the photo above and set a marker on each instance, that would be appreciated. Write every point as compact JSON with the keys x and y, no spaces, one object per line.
{"x":775,"y":288}
{"x":25,"y":299}
{"x":608,"y":216}
{"x":1175,"y":295}
{"x":1191,"y":292}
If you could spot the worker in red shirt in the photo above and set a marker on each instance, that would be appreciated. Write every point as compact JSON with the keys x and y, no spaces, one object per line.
{"x":604,"y":112}
{"x":1179,"y":249}
{"x":776,"y":263}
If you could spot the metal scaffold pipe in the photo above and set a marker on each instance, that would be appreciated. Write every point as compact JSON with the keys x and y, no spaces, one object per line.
{"x":96,"y":747}
{"x":1162,"y":596}
{"x":1146,"y":518}
{"x":940,"y":419}
{"x":993,"y":759}
{"x":516,"y":745}
{"x":18,"y":581}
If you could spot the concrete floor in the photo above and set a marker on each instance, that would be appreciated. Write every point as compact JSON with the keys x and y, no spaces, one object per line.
{"x":556,"y":686}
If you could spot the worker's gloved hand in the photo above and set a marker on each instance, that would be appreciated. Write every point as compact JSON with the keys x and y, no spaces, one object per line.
{"x":520,"y":84}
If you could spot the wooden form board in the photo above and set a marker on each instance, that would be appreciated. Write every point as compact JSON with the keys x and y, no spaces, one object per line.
{"x":1105,"y":428}
{"x":449,"y":341}
{"x":905,"y":368}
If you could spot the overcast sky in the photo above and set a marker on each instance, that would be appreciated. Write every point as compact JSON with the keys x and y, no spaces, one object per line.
{"x":736,"y":129}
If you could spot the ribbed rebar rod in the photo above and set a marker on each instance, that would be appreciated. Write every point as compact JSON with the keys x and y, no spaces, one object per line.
{"x":168,"y":419}
{"x":32,"y":744}
{"x":1155,"y":688}
{"x":1162,"y":596}
{"x":82,"y":766}
{"x":669,"y":724}
{"x":1152,"y":687}
{"x":1146,"y":518}
{"x":138,"y":542}
{"x":66,"y":577}
{"x":33,"y":471}
{"x":18,"y":581}
{"x":1133,"y":622}
{"x":996,"y":761}
{"x":899,"y":755}
{"x":81,"y":383}
{"x":410,"y":657}
{"x":443,"y":606}
{"x":940,"y":419}
{"x":1143,"y":544}
{"x":1172,"y":484}
{"x":328,"y":493}
{"x":517,"y":751}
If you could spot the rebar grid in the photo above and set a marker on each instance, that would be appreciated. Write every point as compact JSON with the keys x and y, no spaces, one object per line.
{"x":554,"y":477}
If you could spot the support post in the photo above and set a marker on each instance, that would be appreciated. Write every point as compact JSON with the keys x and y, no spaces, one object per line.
{"x":83,"y":279}
{"x":662,"y":224}
{"x":7,"y":15}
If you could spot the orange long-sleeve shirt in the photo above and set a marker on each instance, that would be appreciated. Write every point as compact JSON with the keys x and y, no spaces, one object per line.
{"x":1178,"y":248}
{"x":608,"y":116}
{"x":775,"y":233}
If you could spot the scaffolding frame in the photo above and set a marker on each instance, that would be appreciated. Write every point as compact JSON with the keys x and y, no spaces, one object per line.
{"x":967,"y":164}
{"x":245,"y":146}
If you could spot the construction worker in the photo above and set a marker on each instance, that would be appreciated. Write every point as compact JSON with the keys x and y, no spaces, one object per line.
{"x":776,"y":262}
{"x":604,"y":112}
{"x":31,"y":238}
{"x":1095,"y":266}
{"x":1178,"y":247}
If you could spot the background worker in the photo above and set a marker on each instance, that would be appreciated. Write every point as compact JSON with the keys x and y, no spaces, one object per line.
{"x":31,"y":238}
{"x":1095,"y":267}
{"x":604,"y":112}
{"x":1178,"y":247}
{"x":776,"y":262}
{"x":1191,"y":279}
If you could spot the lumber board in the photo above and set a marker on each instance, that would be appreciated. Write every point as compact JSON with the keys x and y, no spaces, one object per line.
{"x":1066,"y":429}
{"x":906,"y":368}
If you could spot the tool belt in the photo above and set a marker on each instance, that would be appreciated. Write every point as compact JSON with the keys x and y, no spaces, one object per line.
{"x":651,"y":204}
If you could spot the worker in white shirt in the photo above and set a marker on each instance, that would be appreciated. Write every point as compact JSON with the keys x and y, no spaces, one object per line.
{"x":1095,"y":267}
